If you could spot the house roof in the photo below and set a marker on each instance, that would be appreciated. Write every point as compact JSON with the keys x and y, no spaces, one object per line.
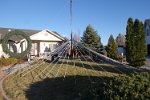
{"x":4,"y":31}
{"x":29,"y":32}
{"x":147,"y":22}
{"x":56,"y":34}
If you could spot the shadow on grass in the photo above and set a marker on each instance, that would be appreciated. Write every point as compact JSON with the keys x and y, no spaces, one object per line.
{"x":69,"y":88}
{"x":103,"y":67}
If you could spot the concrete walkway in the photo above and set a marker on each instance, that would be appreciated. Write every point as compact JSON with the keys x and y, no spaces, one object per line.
{"x":5,"y":71}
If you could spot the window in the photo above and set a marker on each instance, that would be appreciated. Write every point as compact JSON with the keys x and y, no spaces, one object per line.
{"x":51,"y":47}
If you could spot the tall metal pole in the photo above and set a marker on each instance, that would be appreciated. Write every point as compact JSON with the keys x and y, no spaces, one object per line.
{"x":71,"y":21}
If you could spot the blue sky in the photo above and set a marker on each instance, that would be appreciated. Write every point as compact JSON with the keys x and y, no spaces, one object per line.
{"x":106,"y":16}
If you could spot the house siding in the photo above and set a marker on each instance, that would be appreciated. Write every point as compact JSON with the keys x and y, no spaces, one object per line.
{"x":147,"y":30}
{"x":121,"y":50}
{"x":44,"y":35}
{"x":1,"y":50}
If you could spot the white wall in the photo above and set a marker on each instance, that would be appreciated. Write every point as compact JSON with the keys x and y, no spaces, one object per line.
{"x":120,"y":50}
{"x":1,"y":50}
{"x":2,"y":53}
{"x":44,"y":35}
{"x":147,"y":33}
{"x":18,"y":46}
{"x":147,"y":40}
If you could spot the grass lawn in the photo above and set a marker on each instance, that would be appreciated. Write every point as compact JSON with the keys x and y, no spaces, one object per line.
{"x":66,"y":80}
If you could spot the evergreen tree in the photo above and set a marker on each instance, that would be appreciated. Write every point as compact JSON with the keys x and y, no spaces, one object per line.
{"x":112,"y":48}
{"x":120,"y":40}
{"x":135,"y":43}
{"x":139,"y":44}
{"x":142,"y":38}
{"x":98,"y":43}
{"x":91,"y":39}
{"x":129,"y":41}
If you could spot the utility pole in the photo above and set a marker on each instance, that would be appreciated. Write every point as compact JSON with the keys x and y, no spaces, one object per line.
{"x":71,"y":21}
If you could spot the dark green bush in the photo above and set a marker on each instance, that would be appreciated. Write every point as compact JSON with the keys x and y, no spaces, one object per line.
{"x":136,"y":86}
{"x":104,"y":52}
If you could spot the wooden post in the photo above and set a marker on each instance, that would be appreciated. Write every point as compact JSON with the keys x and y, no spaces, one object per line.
{"x":71,"y":24}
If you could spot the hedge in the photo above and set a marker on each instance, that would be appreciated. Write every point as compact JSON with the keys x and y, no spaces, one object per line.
{"x":122,"y":87}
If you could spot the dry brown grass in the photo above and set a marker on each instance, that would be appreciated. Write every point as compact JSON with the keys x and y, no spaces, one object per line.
{"x":1,"y":97}
{"x":10,"y":61}
{"x":83,"y":74}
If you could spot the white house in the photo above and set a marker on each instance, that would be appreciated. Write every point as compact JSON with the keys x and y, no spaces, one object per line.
{"x":147,"y":29}
{"x":121,"y":50}
{"x":42,"y":41}
{"x":120,"y":40}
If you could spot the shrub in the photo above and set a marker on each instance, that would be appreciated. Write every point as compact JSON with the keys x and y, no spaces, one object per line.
{"x":125,"y":87}
{"x":122,"y":59}
{"x":134,"y":87}
{"x":104,"y":52}
{"x":9,"y":61}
